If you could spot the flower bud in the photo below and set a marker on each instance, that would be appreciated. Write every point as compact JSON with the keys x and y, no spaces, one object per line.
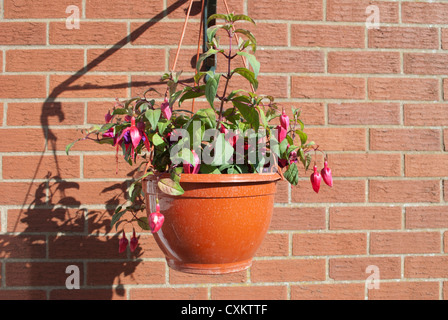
{"x":326,"y":174}
{"x":134,"y":242}
{"x":315,"y":180}
{"x":123,"y":243}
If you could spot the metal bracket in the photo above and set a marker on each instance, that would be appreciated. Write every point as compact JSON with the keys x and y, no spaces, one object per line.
{"x":209,"y":10}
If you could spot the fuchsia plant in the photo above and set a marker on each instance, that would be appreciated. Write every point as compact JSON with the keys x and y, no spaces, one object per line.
{"x":234,"y":135}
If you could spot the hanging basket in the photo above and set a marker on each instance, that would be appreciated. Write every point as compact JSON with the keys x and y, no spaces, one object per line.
{"x":218,"y":224}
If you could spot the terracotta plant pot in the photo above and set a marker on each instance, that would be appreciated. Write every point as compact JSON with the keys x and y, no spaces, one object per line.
{"x":218,"y":224}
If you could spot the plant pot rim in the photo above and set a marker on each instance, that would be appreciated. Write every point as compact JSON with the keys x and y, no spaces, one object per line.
{"x":224,"y":178}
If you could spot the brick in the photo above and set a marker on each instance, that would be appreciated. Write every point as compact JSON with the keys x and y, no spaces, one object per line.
{"x":322,"y":244}
{"x":81,"y":247}
{"x":163,"y":33}
{"x":338,"y":139}
{"x":405,"y":139}
{"x":343,"y":191}
{"x":363,"y":113}
{"x":14,"y":273}
{"x":328,"y":87}
{"x":24,"y":294}
{"x":422,"y":114}
{"x":106,"y":166}
{"x":90,"y":192}
{"x":88,"y":294}
{"x":426,"y":267}
{"x":40,"y":9}
{"x":89,"y":33}
{"x":17,"y":140}
{"x":21,"y":193}
{"x":270,"y":34}
{"x":127,"y":60}
{"x":310,"y":61}
{"x":333,"y":291}
{"x":58,"y":139}
{"x":20,"y":247}
{"x":403,"y":38}
{"x":288,"y":9}
{"x":22,"y":86}
{"x":115,"y":9}
{"x":177,"y":277}
{"x":286,"y":218}
{"x":355,"y":10}
{"x":403,"y":89}
{"x":406,"y":191}
{"x":363,"y":62}
{"x":398,"y":242}
{"x":1,"y":114}
{"x":289,"y":270}
{"x":129,"y":272}
{"x":273,"y":245}
{"x":23,"y":33}
{"x":365,"y":218}
{"x":405,"y":290}
{"x":44,"y":60}
{"x":445,"y":39}
{"x":416,"y":165}
{"x":88,"y":86}
{"x":311,"y":113}
{"x":45,"y":220}
{"x":248,"y":292}
{"x":355,"y":268}
{"x":96,"y":110}
{"x":425,"y":63}
{"x":45,"y":114}
{"x":426,"y":217}
{"x":40,"y":167}
{"x":445,"y":89}
{"x":365,"y":165}
{"x":168,"y":294}
{"x":426,"y":13}
{"x":282,"y":195}
{"x":327,"y":36}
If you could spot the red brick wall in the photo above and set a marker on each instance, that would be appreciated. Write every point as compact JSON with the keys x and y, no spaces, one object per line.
{"x":374,"y":99}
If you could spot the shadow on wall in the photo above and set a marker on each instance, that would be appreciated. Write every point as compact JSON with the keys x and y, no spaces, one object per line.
{"x":51,"y":227}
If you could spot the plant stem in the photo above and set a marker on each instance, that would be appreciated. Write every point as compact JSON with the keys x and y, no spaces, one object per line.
{"x":229,"y":76}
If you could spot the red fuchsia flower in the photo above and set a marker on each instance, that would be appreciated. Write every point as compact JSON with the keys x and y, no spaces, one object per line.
{"x":123,"y":243}
{"x":192,"y":168}
{"x":282,"y":132}
{"x":156,"y":220}
{"x":135,"y":135}
{"x":166,"y":109}
{"x":326,"y":174}
{"x":109,"y":133}
{"x":315,"y":180}
{"x":108,"y":117}
{"x":134,"y":242}
{"x":232,"y":138}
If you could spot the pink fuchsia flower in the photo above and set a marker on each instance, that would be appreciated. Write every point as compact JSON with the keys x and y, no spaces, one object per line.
{"x":315,"y":180}
{"x":156,"y":220}
{"x":135,"y":135}
{"x":284,"y":120}
{"x":192,"y":168}
{"x":166,"y":109}
{"x":231,"y":137}
{"x":326,"y":174}
{"x":282,"y":132}
{"x":123,"y":243}
{"x":134,"y":242}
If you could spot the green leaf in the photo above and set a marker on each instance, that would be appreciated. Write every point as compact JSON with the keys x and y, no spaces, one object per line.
{"x":70,"y":145}
{"x":211,"y":88}
{"x":158,"y":141}
{"x":223,"y":151}
{"x":243,"y":17}
{"x":116,"y":217}
{"x":191,"y":94}
{"x":170,"y":187}
{"x":204,"y":56}
{"x":207,"y":169}
{"x":153,"y":117}
{"x":250,"y":36}
{"x":143,"y":223}
{"x":303,"y":136}
{"x":216,"y":16}
{"x":249,"y":113}
{"x":119,"y":111}
{"x":211,"y":32}
{"x":292,"y":174}
{"x":249,"y":75}
{"x":207,"y":117}
{"x":252,"y":61}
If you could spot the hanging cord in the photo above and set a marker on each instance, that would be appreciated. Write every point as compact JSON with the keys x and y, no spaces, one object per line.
{"x":182,"y":36}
